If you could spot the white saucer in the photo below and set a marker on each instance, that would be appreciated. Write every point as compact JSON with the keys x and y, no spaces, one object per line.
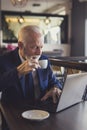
{"x":37,"y":115}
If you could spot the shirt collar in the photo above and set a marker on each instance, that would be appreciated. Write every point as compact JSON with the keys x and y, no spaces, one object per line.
{"x":21,"y":58}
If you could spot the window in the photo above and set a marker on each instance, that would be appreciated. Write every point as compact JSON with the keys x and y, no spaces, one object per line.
{"x":51,"y":26}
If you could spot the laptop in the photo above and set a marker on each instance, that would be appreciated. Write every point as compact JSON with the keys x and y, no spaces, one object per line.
{"x":74,"y":91}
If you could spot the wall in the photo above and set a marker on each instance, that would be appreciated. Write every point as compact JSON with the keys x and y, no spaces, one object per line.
{"x":64,"y":47}
{"x":78,"y":15}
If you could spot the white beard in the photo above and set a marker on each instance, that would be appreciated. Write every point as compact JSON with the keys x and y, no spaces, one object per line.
{"x":36,"y":57}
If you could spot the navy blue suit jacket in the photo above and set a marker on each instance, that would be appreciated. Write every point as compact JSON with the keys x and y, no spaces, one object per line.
{"x":10,"y":83}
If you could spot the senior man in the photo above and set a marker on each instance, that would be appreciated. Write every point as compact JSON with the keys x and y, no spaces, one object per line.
{"x":23,"y":61}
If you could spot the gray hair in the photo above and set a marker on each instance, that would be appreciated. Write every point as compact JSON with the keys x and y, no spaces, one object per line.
{"x":26,"y":31}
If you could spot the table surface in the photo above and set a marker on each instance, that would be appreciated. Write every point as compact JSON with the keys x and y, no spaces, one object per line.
{"x":73,"y":118}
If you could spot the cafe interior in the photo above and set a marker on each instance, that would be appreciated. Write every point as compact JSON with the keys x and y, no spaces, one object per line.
{"x":64,"y":25}
{"x":63,"y":22}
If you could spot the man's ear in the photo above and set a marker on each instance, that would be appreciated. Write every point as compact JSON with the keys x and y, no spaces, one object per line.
{"x":20,"y":45}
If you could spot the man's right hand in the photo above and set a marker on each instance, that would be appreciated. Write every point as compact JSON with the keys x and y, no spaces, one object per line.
{"x":27,"y":66}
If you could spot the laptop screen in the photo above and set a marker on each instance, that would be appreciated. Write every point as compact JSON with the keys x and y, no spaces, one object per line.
{"x":73,"y":90}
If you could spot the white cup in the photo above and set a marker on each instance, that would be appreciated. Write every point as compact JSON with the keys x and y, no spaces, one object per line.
{"x":43,"y":63}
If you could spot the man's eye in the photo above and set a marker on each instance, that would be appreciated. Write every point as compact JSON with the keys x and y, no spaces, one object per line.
{"x":34,"y":48}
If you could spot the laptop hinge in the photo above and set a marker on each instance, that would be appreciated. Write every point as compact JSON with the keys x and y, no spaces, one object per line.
{"x":84,"y":97}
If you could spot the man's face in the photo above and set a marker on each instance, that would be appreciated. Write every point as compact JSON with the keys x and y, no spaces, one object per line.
{"x":33,"y":47}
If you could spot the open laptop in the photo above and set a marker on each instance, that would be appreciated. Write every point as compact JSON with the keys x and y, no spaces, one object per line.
{"x":74,"y":91}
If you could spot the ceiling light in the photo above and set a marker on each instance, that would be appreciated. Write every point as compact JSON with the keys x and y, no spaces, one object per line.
{"x":47,"y":20}
{"x":19,"y":3}
{"x":21,"y":20}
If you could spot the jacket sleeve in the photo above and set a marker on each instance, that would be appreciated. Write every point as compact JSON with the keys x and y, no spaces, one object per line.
{"x":8,"y":78}
{"x":53,"y":81}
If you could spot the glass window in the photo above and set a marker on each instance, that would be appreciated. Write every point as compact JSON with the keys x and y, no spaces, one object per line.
{"x":51,"y":26}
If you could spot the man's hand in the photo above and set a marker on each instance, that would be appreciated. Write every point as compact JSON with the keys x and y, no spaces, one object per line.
{"x":27,"y":66}
{"x":54,"y":93}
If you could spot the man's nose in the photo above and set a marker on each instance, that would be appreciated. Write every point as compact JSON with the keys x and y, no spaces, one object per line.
{"x":39,"y":51}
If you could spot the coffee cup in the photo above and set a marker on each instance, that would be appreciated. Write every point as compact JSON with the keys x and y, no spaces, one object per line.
{"x":43,"y":63}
